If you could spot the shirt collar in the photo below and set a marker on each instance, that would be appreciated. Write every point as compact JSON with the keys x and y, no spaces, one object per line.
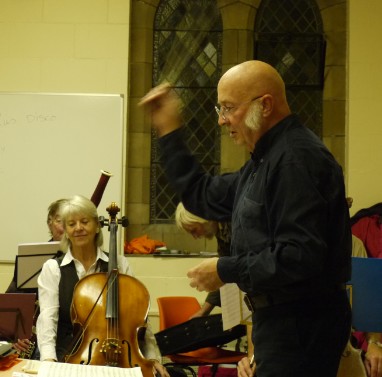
{"x":69,"y":257}
{"x":266,"y":141}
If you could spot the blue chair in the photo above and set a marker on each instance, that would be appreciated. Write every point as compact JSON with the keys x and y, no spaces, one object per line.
{"x":365,"y":290}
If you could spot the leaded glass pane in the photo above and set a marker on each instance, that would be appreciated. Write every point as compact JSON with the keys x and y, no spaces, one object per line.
{"x":307,"y":104}
{"x":187,"y":53}
{"x":298,"y":58}
{"x":288,"y":35}
{"x":288,"y":16}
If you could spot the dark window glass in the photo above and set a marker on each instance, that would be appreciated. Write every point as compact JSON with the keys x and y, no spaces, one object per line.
{"x":187,"y":53}
{"x":289,"y":36}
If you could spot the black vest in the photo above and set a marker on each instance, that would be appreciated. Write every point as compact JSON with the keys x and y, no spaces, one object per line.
{"x":66,"y":286}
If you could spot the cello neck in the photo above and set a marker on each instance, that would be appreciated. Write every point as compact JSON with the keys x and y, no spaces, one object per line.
{"x":113,"y":210}
{"x":112,"y":292}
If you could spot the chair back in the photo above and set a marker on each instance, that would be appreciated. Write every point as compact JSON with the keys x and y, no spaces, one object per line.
{"x":366,"y":294}
{"x":174,"y":310}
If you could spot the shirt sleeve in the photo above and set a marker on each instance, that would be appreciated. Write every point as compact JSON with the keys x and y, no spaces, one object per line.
{"x":48,"y":283}
{"x":191,"y":183}
{"x":213,"y":298}
{"x":124,"y":266}
{"x":149,"y":346}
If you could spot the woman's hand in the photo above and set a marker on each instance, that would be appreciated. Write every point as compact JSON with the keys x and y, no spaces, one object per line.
{"x":22,"y":345}
{"x":373,"y":360}
{"x":161,"y":369}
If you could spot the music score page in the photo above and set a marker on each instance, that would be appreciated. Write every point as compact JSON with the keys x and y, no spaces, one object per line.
{"x":234,"y":310}
{"x":49,"y":369}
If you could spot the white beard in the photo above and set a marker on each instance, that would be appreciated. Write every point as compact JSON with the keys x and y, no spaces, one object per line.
{"x":253,"y":118}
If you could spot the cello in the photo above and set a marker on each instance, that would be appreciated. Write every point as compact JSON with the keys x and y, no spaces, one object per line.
{"x":109,"y":312}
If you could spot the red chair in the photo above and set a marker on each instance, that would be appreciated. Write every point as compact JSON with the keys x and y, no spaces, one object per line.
{"x":175,"y":310}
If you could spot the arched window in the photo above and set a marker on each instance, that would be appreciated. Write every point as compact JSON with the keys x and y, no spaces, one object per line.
{"x":289,"y":36}
{"x":187,"y":53}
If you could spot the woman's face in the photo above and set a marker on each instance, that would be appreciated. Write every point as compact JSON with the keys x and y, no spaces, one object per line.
{"x":81,"y":230}
{"x":199,"y":230}
{"x":56,"y":228}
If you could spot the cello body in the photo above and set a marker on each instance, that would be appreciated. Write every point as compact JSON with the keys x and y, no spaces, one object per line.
{"x":109,"y":313}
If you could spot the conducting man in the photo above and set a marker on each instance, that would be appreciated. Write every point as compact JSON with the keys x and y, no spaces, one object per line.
{"x":291,"y":238}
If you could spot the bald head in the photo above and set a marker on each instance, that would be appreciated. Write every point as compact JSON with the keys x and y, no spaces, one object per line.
{"x":254,"y":76}
{"x":252,"y":79}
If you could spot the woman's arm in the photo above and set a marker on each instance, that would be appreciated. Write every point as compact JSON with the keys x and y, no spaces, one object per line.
{"x":48,"y":283}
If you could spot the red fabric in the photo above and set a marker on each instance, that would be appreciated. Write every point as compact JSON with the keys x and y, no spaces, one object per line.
{"x":142,"y":245}
{"x":7,"y":362}
{"x":361,"y":340}
{"x":369,"y":231}
{"x":206,"y":371}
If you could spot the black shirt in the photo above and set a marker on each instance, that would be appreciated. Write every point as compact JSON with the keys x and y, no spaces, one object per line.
{"x":290,"y":220}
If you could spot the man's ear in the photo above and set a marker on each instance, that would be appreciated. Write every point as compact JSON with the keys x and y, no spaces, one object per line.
{"x":268,"y":103}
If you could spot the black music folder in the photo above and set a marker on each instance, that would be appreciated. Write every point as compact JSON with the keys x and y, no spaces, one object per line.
{"x":198,"y":332}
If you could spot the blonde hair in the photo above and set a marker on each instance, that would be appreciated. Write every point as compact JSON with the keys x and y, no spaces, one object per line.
{"x":53,"y":211}
{"x":184,"y":217}
{"x":75,"y":205}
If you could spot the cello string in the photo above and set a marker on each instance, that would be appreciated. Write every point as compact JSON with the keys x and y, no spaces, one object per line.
{"x":110,"y":359}
{"x":76,"y":341}
{"x":113,"y":348}
{"x":117,"y":319}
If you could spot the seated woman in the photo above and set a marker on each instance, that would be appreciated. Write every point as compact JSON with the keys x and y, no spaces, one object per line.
{"x":82,"y":243}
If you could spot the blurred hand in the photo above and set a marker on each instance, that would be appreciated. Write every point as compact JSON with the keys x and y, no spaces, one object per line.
{"x":164,"y":106}
{"x":204,"y":277}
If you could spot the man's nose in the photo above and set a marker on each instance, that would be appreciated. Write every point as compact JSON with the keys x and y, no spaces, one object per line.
{"x":222,"y":120}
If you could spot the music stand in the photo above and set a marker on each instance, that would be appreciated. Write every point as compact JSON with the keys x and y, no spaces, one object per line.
{"x":16,"y":315}
{"x":30,"y":260}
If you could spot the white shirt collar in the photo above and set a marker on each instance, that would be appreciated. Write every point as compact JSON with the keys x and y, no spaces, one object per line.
{"x":69,"y":257}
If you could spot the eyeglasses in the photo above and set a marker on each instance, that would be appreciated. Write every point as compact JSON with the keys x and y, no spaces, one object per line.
{"x":224,"y":110}
{"x":55,"y":220}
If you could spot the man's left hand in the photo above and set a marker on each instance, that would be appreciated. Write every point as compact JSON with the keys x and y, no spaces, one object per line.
{"x":204,"y":277}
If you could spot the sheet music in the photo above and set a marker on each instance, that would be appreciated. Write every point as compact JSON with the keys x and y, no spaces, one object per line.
{"x":49,"y":369}
{"x":234,"y":310}
{"x":230,"y":304}
{"x":246,"y":314}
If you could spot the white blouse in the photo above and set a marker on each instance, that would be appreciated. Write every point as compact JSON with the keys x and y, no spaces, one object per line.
{"x":48,"y":289}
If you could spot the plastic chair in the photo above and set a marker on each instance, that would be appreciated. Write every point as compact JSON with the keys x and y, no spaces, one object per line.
{"x":175,"y":310}
{"x":366,"y":301}
{"x":366,"y":294}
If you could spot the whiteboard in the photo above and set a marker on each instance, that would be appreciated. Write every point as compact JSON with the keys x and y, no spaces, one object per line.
{"x":54,"y":146}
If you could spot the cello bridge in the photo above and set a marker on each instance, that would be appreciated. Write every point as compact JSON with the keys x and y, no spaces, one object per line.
{"x":111,"y":345}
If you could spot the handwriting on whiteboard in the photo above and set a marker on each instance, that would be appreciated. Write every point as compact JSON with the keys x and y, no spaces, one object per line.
{"x":35,"y":118}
